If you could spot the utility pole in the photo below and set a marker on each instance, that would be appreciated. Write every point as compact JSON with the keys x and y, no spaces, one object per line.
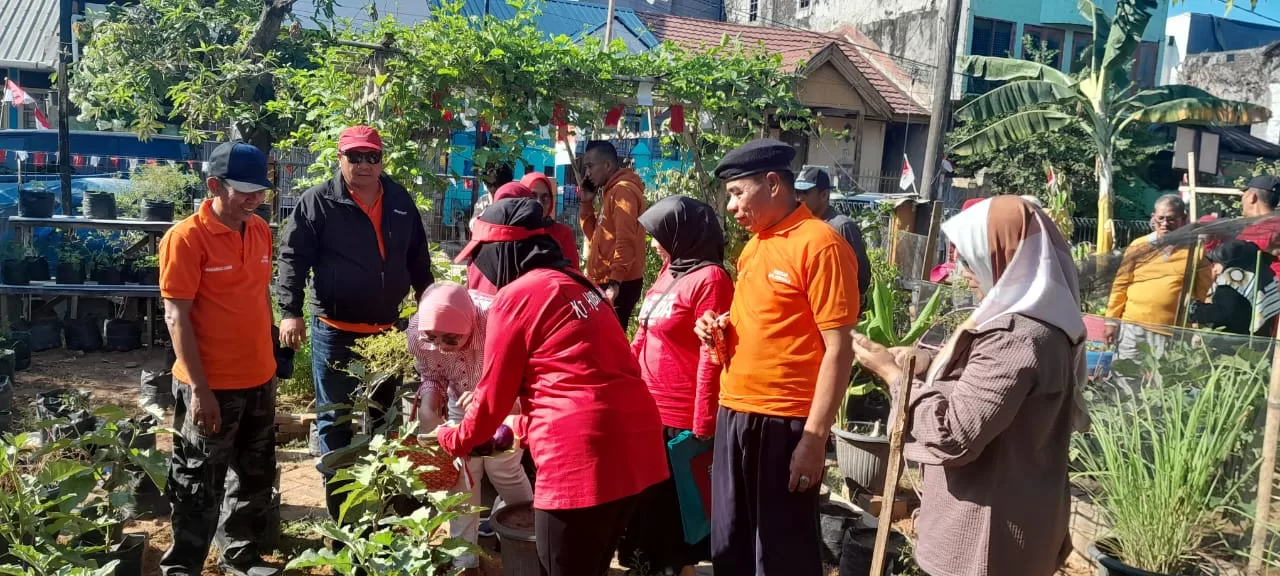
{"x":938,"y":120}
{"x":608,"y":25}
{"x":64,"y":105}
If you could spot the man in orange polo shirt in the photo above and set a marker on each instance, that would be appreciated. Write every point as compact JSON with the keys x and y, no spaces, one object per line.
{"x":358,"y":238}
{"x":788,"y":351}
{"x":215,"y":272}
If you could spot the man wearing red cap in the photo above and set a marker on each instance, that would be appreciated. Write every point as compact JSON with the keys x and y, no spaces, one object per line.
{"x":359,"y":238}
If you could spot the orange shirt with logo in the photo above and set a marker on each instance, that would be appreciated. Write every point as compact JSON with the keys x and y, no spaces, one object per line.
{"x":795,"y":280}
{"x":374,"y":212}
{"x":225,"y":275}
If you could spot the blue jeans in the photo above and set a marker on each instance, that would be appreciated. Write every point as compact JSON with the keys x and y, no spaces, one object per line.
{"x":331,"y":350}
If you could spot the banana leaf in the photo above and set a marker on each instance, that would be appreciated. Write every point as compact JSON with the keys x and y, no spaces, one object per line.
{"x":1015,"y":96}
{"x":1015,"y":128}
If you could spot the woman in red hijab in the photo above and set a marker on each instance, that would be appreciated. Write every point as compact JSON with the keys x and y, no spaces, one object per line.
{"x":537,"y":186}
{"x":553,"y":342}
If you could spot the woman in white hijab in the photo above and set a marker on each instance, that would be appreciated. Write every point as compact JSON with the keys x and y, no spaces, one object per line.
{"x":992,"y":413}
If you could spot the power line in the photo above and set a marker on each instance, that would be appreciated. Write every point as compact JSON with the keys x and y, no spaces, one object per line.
{"x":1235,"y":6}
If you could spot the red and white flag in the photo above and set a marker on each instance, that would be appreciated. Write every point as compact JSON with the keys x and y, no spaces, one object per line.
{"x":1053,"y":178}
{"x":908,"y":178}
{"x":15,"y":95}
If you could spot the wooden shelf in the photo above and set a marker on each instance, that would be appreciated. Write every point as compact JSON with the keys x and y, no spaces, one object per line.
{"x":79,"y":222}
{"x":96,"y":290}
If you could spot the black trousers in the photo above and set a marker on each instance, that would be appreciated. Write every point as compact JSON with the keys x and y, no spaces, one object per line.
{"x":245,"y":446}
{"x":581,"y":541}
{"x":758,"y":526}
{"x":624,"y":303}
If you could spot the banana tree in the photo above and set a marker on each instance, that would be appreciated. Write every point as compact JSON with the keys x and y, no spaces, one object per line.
{"x":1100,"y":98}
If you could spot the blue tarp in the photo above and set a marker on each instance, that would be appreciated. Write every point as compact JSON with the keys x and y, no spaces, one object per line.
{"x":1211,"y":33}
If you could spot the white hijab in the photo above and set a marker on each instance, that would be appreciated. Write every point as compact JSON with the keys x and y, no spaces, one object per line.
{"x":1039,"y":281}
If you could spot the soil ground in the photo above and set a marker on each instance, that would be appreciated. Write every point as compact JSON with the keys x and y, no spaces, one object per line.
{"x":113,"y":378}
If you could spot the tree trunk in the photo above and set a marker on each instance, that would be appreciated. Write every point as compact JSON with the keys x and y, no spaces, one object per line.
{"x":1106,"y":236}
{"x":264,"y":38}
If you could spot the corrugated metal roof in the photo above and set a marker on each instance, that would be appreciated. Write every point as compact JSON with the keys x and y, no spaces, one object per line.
{"x":29,"y":34}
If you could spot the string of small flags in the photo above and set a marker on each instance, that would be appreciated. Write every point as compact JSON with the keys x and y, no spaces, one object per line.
{"x":40,"y":159}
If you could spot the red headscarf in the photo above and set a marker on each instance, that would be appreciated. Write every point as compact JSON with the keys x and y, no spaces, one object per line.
{"x":534,"y":177}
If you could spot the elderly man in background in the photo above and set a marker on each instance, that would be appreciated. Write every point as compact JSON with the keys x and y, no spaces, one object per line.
{"x":1148,"y":285}
{"x":615,"y":258}
{"x":359,"y":238}
{"x":787,"y":353}
{"x":813,"y":187}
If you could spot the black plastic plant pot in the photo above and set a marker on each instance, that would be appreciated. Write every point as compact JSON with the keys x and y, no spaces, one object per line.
{"x":6,"y":417}
{"x":128,"y":552}
{"x":13,"y":272}
{"x":83,"y":334}
{"x":100,"y":205}
{"x":8,"y":363}
{"x":69,"y":273}
{"x":20,"y":343}
{"x":107,"y":275}
{"x":149,"y":275}
{"x":37,"y":268}
{"x":35,"y":204}
{"x":1102,"y":553}
{"x":123,"y":335}
{"x":157,"y":211}
{"x":45,"y":335}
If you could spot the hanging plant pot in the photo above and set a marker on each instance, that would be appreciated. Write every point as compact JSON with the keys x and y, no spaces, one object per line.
{"x":69,"y":273}
{"x":100,"y":205}
{"x":37,"y":268}
{"x":107,"y":275}
{"x":157,"y":210}
{"x":35,"y":204}
{"x":123,"y":335}
{"x":13,"y":272}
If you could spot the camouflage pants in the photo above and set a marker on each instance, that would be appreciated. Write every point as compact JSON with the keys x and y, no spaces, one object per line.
{"x":199,"y":480}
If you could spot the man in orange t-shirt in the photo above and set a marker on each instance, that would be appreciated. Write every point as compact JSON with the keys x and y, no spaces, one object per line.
{"x":788,"y":354}
{"x":358,"y":237}
{"x":215,"y":270}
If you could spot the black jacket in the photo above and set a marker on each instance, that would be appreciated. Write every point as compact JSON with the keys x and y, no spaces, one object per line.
{"x":329,"y":236}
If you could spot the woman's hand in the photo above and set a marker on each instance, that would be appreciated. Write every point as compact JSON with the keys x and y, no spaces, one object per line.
{"x":876,"y":358}
{"x":902,"y":353}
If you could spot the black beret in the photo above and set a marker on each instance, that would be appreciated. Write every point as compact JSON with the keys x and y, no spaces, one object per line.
{"x":756,"y":157}
{"x":1264,"y":182}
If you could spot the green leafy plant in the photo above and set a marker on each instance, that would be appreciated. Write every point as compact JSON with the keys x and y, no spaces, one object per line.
{"x":71,"y":251}
{"x":39,"y":493}
{"x":163,"y":183}
{"x":385,"y":354}
{"x":1100,"y":100}
{"x":1158,"y":453}
{"x":378,"y":539}
{"x":117,"y":460}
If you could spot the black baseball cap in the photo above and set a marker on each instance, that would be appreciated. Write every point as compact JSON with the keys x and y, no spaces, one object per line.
{"x":1264,"y":182}
{"x":242,"y":165}
{"x":812,"y":178}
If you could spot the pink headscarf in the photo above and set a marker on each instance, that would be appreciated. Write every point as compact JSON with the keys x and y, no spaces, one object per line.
{"x":447,"y":307}
{"x":534,"y":177}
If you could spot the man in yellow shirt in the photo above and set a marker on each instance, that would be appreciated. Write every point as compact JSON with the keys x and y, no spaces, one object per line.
{"x":1148,"y":286}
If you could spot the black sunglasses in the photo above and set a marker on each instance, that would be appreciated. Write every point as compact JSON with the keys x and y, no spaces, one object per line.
{"x":362,"y":157}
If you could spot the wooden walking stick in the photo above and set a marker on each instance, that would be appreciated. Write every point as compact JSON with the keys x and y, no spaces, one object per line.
{"x":896,"y":430}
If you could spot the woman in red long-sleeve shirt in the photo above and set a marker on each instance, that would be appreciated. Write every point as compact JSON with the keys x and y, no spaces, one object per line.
{"x":684,"y":383}
{"x":553,"y":342}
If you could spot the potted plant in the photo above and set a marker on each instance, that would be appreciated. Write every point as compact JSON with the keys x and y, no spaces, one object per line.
{"x":70,"y":263}
{"x":37,"y":266}
{"x":122,"y":455}
{"x":376,"y":538}
{"x":38,"y":519}
{"x":861,"y":433}
{"x":13,"y":269}
{"x":104,"y":266}
{"x":35,"y":203}
{"x":158,"y":193}
{"x":147,"y":269}
{"x":1157,"y":459}
{"x":99,"y":205}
